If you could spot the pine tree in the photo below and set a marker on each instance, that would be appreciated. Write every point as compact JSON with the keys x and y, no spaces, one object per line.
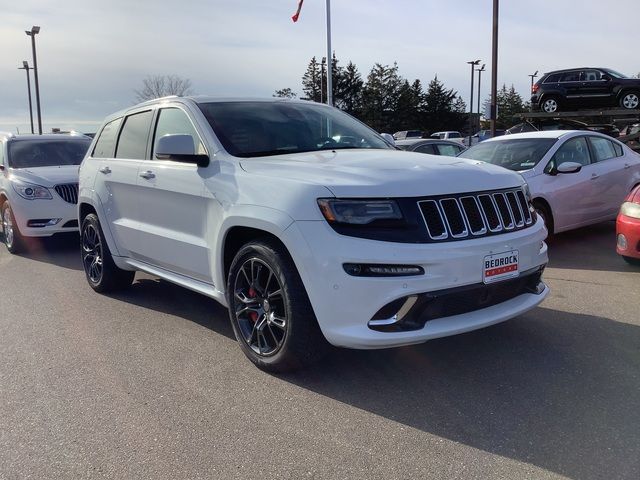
{"x":349,"y":95}
{"x":380,"y":95}
{"x":285,"y":93}
{"x":311,"y":81}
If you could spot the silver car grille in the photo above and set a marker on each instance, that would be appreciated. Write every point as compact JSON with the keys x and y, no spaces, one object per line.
{"x":476,"y":214}
{"x":68,"y":192}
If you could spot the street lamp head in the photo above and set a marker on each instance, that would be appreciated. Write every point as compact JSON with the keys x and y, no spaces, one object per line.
{"x":535,"y":74}
{"x":474,"y":62}
{"x":34,"y":30}
{"x":482,"y":68}
{"x":25,"y":64}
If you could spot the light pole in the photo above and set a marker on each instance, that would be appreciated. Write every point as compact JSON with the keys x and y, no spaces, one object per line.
{"x":26,"y":68}
{"x":494,"y":67}
{"x":533,"y":76}
{"x":480,"y":70}
{"x":473,"y":64}
{"x":32,"y":33}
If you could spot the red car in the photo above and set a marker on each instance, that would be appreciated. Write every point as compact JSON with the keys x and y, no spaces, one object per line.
{"x":628,"y":228}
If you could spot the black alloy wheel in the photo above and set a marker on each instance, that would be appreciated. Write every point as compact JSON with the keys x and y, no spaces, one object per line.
{"x":102,"y":273}
{"x":270,"y":311}
{"x":260,"y":309}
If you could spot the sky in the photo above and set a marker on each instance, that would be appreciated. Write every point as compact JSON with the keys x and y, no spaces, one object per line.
{"x":92,"y":55}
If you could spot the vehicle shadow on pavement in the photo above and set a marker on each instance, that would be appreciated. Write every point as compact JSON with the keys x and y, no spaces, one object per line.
{"x":162,"y":296}
{"x":574,"y":250}
{"x":554,"y":389}
{"x":62,"y":250}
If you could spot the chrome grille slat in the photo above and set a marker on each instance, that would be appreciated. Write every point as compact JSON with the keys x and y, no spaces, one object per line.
{"x":516,"y":212}
{"x":68,"y":192}
{"x":454,"y":217}
{"x":474,"y":215}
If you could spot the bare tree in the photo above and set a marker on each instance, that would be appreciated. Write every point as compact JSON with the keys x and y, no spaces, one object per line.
{"x":156,"y":86}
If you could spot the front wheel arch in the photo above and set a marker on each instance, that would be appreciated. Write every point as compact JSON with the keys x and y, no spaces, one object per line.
{"x":541,"y":205}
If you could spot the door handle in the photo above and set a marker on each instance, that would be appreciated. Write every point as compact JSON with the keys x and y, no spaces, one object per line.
{"x":626,"y":165}
{"x":594,"y":176}
{"x":148,"y":175}
{"x":104,"y":170}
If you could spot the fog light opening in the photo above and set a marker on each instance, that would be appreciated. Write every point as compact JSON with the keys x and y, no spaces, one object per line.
{"x":379,"y":270}
{"x":622,"y":242}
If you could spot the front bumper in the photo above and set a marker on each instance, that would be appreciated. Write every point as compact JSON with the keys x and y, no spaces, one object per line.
{"x":630,"y":228}
{"x":345,"y":305}
{"x":31,"y":214}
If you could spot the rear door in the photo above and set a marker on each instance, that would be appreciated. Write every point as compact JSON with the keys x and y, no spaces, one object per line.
{"x":121,"y":147}
{"x":175,"y":211}
{"x":611,"y":167}
{"x":572,"y":86}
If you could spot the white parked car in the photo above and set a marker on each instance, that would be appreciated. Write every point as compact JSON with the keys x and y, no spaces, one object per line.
{"x":39,"y":185}
{"x":576,"y":178}
{"x":306,"y":234}
{"x":449,"y":135}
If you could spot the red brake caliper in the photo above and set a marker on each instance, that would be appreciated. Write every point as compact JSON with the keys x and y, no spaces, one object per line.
{"x":253,"y":315}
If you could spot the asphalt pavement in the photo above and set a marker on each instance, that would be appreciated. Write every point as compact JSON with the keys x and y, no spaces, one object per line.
{"x":150,"y":383}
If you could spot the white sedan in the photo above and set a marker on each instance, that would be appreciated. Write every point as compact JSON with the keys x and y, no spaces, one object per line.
{"x":39,"y":185}
{"x":576,"y":178}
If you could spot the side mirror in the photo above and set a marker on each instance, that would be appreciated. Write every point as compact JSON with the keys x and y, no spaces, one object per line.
{"x":180,"y":148}
{"x":389,"y":139}
{"x":569,"y":167}
{"x":606,"y":77}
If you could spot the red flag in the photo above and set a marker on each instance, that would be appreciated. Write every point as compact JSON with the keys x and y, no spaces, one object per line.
{"x":297,"y":14}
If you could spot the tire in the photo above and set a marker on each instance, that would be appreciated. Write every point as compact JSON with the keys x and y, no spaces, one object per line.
{"x":102,"y":273}
{"x":546,"y":215}
{"x":632,"y":261}
{"x":270,"y":312}
{"x":550,"y":105}
{"x":630,"y":100}
{"x":13,"y":239}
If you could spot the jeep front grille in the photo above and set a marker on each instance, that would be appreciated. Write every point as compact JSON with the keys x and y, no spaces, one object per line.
{"x":68,"y":192}
{"x":475,"y":215}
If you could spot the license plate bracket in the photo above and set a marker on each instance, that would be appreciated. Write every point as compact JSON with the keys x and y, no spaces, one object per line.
{"x":500,"y":266}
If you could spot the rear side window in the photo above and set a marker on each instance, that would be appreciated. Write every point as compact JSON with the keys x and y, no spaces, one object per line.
{"x":603,"y":149}
{"x":553,"y":78}
{"x":454,"y":135}
{"x":134,"y":136}
{"x":106,"y":143}
{"x":570,"y":77}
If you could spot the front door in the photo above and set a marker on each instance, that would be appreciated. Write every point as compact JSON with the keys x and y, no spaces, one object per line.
{"x":174,"y":210}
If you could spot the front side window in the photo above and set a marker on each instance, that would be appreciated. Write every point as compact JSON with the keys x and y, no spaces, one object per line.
{"x":173,"y":121}
{"x":515,"y":154}
{"x":591,"y":75}
{"x":574,"y":150}
{"x":255,"y":129}
{"x":134,"y":136}
{"x":47,"y":153}
{"x":426,"y":149}
{"x":448,"y":150}
{"x":603,"y":149}
{"x":106,"y":143}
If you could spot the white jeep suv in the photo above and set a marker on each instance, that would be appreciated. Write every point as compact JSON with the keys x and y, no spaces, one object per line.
{"x":307,"y":225}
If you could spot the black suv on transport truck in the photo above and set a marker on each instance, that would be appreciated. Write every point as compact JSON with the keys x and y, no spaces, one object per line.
{"x":584,"y":88}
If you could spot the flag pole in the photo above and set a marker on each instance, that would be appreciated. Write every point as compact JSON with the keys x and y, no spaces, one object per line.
{"x":329,"y":58}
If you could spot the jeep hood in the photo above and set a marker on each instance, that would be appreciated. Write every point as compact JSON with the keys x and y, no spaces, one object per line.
{"x":384,"y":173}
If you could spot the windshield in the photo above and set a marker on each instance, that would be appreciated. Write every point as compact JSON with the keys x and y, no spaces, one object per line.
{"x":254,"y":129}
{"x":514,"y":154}
{"x":47,"y":153}
{"x":615,"y":74}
